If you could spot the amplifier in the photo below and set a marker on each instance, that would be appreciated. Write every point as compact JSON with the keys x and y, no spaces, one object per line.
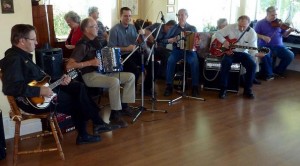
{"x":51,"y":61}
{"x":211,"y":74}
{"x":2,"y":139}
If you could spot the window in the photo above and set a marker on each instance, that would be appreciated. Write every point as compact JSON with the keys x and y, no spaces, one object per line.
{"x":61,"y":7}
{"x":288,"y":10}
{"x":205,"y":15}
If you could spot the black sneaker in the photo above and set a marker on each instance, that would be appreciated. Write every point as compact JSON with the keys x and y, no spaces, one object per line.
{"x":195,"y":91}
{"x":116,"y":119}
{"x":248,"y":94}
{"x":104,"y":128}
{"x":269,"y":78}
{"x":168,"y":91}
{"x":280,"y":75}
{"x":127,"y":112}
{"x":255,"y":81}
{"x":86,"y":139}
{"x":222,"y":93}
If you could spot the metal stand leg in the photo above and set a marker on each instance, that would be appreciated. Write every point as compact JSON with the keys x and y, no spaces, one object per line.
{"x":183,"y":93}
{"x":142,"y":108}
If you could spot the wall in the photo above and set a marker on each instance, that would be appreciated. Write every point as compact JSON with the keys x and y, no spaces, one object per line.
{"x":22,"y":14}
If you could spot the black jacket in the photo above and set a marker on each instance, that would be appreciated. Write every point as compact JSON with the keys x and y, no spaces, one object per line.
{"x":18,"y":70}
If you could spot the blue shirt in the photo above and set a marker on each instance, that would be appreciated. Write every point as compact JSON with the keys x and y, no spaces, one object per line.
{"x":176,"y":30}
{"x":120,"y":36}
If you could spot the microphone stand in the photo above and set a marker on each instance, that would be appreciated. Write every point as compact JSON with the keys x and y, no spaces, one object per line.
{"x":153,"y":97}
{"x":183,"y":93}
{"x":141,"y":51}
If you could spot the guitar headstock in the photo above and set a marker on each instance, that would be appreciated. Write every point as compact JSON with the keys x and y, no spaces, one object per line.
{"x":72,"y":73}
{"x":264,"y":50}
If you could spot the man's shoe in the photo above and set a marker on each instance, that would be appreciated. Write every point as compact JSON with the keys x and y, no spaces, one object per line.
{"x":248,"y":94}
{"x":280,"y":75}
{"x":127,"y":112}
{"x":86,"y":139}
{"x":222,"y":94}
{"x":104,"y":128}
{"x":168,"y":91}
{"x":195,"y":92}
{"x":255,"y":81}
{"x":116,"y":119}
{"x":269,"y":78}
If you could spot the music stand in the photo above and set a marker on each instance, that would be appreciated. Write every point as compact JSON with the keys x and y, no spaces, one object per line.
{"x":142,"y":108}
{"x":183,"y":93}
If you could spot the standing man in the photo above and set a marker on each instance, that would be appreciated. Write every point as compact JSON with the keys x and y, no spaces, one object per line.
{"x":84,"y":58}
{"x":19,"y":70}
{"x":177,"y":54}
{"x":271,"y":37}
{"x":246,"y":36}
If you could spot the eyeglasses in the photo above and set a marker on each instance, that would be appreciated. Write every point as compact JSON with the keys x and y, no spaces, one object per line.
{"x":31,"y":39}
{"x":93,"y":26}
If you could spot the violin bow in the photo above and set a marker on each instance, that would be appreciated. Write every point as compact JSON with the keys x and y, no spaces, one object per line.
{"x":144,"y":21}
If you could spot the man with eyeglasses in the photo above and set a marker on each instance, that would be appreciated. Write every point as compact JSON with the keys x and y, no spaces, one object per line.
{"x":178,"y":53}
{"x":271,"y":37}
{"x":19,"y":70}
{"x":84,"y":58}
{"x":243,"y":35}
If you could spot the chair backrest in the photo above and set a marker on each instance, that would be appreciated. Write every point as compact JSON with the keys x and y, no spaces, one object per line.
{"x":205,"y":40}
{"x":15,"y":112}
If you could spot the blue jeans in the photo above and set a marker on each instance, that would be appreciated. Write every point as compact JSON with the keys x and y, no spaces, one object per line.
{"x":192,"y":60}
{"x":285,"y":55}
{"x":246,"y":60}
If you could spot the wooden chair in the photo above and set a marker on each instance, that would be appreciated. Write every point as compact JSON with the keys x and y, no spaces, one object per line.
{"x":18,"y":116}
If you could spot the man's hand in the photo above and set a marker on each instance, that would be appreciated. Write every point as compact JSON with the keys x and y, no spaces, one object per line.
{"x":130,"y":47}
{"x":65,"y":79}
{"x":260,"y":54}
{"x":172,"y":40}
{"x":46,"y":91}
{"x":267,"y":39}
{"x":226,"y":44}
{"x":70,"y":47}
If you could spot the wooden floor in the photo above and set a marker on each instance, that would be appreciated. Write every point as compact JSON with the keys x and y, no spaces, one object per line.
{"x":231,"y":132}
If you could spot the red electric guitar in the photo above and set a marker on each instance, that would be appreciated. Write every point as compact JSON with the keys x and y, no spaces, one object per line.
{"x":217,"y":49}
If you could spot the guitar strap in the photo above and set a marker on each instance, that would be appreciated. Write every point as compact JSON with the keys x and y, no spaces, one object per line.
{"x":243,"y":34}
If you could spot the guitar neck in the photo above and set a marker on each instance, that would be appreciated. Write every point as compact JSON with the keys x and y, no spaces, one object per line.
{"x":55,"y":84}
{"x":244,"y":47}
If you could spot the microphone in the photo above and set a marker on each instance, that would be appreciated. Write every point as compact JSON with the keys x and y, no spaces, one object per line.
{"x":162,"y":17}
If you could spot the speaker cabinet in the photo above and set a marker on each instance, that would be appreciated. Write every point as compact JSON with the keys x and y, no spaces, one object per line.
{"x":211,"y":74}
{"x":51,"y":61}
{"x":2,"y":139}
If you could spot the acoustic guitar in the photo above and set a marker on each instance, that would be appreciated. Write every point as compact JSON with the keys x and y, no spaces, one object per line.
{"x":217,"y":49}
{"x":42,"y":102}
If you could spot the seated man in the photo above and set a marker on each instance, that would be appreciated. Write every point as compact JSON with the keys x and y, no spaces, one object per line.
{"x":177,"y":54}
{"x":245,"y":36}
{"x":84,"y":58}
{"x":271,"y":37}
{"x":161,"y":52}
{"x":19,"y":70}
{"x":124,"y":36}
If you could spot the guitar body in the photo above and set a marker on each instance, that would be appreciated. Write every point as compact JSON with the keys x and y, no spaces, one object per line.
{"x":217,"y":49}
{"x":40,"y":102}
{"x":43,"y":102}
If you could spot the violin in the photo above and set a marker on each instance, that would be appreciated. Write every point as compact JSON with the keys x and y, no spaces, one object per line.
{"x":282,"y":25}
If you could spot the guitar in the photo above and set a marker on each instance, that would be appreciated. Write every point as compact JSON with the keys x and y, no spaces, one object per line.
{"x":217,"y":49}
{"x":42,"y":102}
